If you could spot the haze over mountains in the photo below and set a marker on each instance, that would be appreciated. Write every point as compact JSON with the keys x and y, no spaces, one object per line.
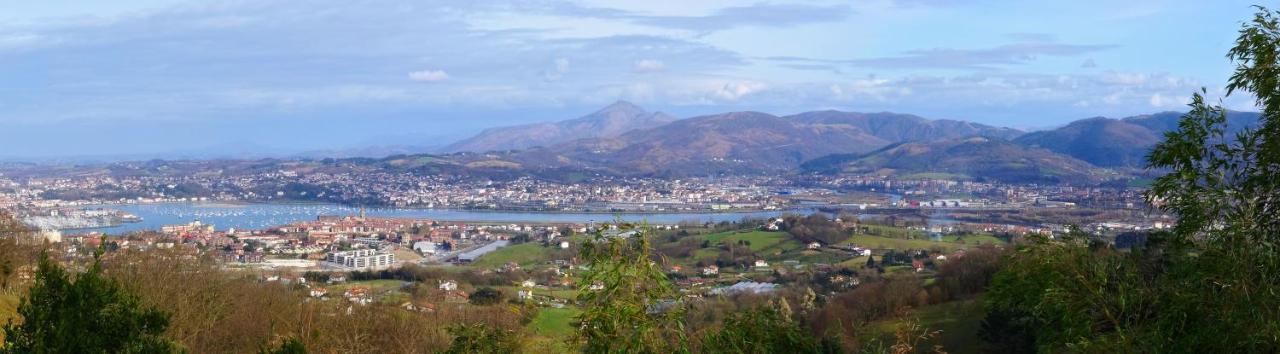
{"x":624,"y":138}
{"x":610,"y":121}
{"x":1124,"y":142}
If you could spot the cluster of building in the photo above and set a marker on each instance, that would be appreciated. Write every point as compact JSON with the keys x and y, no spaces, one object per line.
{"x":601,"y":193}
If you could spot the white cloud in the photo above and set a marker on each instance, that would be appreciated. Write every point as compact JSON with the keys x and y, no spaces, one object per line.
{"x":1160,"y":101}
{"x":735,"y":90}
{"x":561,"y":67}
{"x":429,"y":75}
{"x":648,"y":65}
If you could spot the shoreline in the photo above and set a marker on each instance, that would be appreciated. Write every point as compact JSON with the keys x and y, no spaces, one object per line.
{"x":243,"y":204}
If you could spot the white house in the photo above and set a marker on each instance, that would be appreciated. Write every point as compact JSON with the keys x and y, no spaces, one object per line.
{"x":761,"y":263}
{"x":425,"y":247}
{"x":710,"y":270}
{"x":448,"y":285}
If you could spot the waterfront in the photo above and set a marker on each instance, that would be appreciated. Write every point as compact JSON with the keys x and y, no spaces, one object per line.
{"x":263,"y":215}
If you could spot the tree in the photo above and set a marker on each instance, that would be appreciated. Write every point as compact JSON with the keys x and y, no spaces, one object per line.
{"x":84,"y":314}
{"x":1209,"y":285}
{"x":763,"y":330}
{"x":485,"y":297}
{"x":634,"y":308}
{"x":482,"y":339}
{"x":289,"y":346}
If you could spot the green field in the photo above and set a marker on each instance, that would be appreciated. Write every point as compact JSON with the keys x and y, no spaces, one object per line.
{"x":764,"y":243}
{"x":892,"y":232}
{"x":551,"y":328}
{"x":877,"y":242}
{"x":553,"y":322}
{"x":522,"y":254}
{"x":981,"y":239}
{"x":8,"y":310}
{"x":761,"y":241}
{"x":959,"y":322}
{"x":377,"y":286}
{"x":8,"y":307}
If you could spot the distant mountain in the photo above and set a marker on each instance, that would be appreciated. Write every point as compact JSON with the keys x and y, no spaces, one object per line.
{"x":1117,"y":142}
{"x":1168,"y":121}
{"x":973,"y":157}
{"x":611,"y":121}
{"x":738,"y":141}
{"x":749,"y":142}
{"x":894,"y":127}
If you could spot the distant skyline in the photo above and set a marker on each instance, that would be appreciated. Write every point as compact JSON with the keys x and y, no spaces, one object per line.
{"x":164,"y":78}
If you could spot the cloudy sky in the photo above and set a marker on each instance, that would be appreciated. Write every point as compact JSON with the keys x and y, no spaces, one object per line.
{"x":156,"y":77}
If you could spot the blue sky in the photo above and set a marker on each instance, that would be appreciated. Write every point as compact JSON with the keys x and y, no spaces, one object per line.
{"x":156,"y":77}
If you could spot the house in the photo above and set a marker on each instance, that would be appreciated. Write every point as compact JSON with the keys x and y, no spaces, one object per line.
{"x":448,"y":285}
{"x":564,"y":244}
{"x":597,"y":286}
{"x":358,"y":295}
{"x":917,"y":264}
{"x":319,"y":292}
{"x":528,"y":283}
{"x":524,"y":294}
{"x":425,"y":247}
{"x":815,"y":245}
{"x":710,"y":270}
{"x":760,"y":263}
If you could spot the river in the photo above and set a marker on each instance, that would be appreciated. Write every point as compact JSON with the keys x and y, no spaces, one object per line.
{"x":263,"y":215}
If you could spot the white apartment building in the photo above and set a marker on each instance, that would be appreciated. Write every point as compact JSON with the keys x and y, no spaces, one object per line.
{"x":364,"y":258}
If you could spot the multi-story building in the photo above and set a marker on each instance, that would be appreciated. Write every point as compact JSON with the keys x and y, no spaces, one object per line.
{"x":365,"y":258}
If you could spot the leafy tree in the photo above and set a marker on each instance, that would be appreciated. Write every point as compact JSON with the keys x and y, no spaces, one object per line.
{"x":485,"y":297}
{"x":763,"y":330}
{"x":289,"y":346}
{"x":88,"y":313}
{"x":634,"y":308}
{"x":482,"y":339}
{"x":1209,"y":285}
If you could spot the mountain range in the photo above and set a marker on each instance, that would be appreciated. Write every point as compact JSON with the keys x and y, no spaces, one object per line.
{"x":1123,"y":142}
{"x":975,"y":157}
{"x":610,"y":121}
{"x":626,"y":139}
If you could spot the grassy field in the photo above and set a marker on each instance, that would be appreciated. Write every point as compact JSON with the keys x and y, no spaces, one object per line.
{"x":8,"y":307}
{"x":877,"y":242}
{"x":761,"y":241}
{"x":892,"y":232}
{"x":523,"y":254}
{"x":959,"y":322}
{"x":981,"y":239}
{"x":377,"y":286}
{"x":553,"y":322}
{"x":764,"y":243}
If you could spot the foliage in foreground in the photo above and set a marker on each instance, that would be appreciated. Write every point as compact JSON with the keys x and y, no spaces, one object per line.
{"x":84,"y":314}
{"x":628,"y":303}
{"x":1211,"y":284}
{"x":482,"y":339}
{"x":764,"y":330}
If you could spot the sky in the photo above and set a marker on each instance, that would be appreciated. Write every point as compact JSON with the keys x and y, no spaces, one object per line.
{"x":156,"y":78}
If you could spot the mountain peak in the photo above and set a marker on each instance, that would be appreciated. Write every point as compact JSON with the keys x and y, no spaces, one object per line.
{"x":610,"y":121}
